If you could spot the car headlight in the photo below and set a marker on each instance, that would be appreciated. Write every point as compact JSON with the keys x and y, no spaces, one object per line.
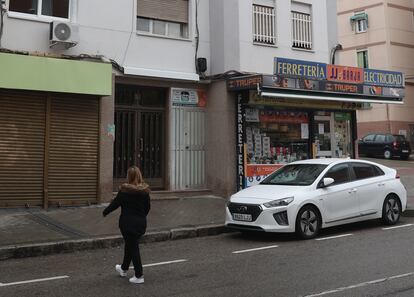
{"x":279,"y":202}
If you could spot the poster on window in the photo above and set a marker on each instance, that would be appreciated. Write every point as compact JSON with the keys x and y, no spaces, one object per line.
{"x":252,"y":115}
{"x":255,"y":173}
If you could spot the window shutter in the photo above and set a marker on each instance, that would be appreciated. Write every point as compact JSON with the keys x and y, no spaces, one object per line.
{"x":167,"y":10}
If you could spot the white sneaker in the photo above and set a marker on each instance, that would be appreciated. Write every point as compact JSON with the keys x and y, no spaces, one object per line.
{"x":137,"y":280}
{"x":121,"y":272}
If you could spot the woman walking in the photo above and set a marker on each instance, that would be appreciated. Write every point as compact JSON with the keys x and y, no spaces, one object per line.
{"x":134,"y":199}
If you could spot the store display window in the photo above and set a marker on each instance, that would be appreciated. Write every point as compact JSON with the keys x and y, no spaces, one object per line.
{"x":274,"y":138}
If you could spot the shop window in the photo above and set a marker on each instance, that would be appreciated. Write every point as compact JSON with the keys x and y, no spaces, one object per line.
{"x":163,"y":17}
{"x":276,"y":137}
{"x":264,"y":30}
{"x":52,"y":8}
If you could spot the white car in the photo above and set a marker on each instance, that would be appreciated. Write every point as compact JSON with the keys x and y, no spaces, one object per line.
{"x":308,"y":195}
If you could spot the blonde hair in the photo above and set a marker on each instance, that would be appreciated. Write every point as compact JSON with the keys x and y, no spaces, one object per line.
{"x":134,"y":176}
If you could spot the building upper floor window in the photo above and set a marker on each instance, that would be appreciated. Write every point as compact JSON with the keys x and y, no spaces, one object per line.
{"x":264,"y":29}
{"x":360,"y":21}
{"x":362,"y":59}
{"x":301,"y":26}
{"x":163,"y":17}
{"x":52,"y":8}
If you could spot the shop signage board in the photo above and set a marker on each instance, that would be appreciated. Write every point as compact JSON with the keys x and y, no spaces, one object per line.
{"x":338,"y":73}
{"x":244,"y":83}
{"x":188,"y":97}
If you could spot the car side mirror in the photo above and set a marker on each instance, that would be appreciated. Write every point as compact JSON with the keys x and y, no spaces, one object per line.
{"x":326,"y":182}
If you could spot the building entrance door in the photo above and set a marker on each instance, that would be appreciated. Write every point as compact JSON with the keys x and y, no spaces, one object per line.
{"x":188,"y":148}
{"x":323,"y":134}
{"x":139,"y":135}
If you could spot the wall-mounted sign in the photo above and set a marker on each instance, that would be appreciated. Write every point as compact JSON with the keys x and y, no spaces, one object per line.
{"x":345,"y":74}
{"x":188,"y":97}
{"x":338,"y":73}
{"x":244,"y":83}
{"x":383,"y":78}
{"x":299,"y":68}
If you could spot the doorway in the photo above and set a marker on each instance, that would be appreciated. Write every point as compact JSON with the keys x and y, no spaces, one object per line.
{"x":139,"y":134}
{"x":322,"y":131}
{"x":332,"y":134}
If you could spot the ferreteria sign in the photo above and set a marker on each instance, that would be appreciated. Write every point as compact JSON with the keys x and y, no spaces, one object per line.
{"x":337,"y":73}
{"x":320,"y":81}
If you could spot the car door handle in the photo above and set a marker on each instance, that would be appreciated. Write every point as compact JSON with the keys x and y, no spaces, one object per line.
{"x":352,"y":191}
{"x":381,"y":184}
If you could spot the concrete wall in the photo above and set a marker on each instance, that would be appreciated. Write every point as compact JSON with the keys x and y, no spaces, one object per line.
{"x":106,"y":153}
{"x":221,"y":140}
{"x":108,"y":28}
{"x":232,"y":46}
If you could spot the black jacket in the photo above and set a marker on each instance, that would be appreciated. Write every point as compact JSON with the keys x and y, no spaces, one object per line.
{"x":135,"y":205}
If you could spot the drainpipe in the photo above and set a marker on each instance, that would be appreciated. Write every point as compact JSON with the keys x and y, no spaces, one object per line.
{"x":333,"y":51}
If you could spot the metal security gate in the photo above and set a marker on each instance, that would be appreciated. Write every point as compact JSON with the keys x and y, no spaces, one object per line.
{"x":22,"y":144}
{"x":139,"y":140}
{"x":73,"y":150}
{"x":188,"y":148}
{"x":48,"y":149}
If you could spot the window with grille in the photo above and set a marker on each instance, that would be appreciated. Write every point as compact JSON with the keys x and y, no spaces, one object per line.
{"x":301,"y":30}
{"x":264,"y":30}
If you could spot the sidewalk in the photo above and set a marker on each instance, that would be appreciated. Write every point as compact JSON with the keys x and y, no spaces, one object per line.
{"x":33,"y":232}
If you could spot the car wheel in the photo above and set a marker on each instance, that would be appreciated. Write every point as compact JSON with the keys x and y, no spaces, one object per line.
{"x":308,"y":222}
{"x":387,"y":154}
{"x":391,"y":210}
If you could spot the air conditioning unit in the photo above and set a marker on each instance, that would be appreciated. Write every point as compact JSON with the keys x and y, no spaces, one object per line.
{"x":63,"y":33}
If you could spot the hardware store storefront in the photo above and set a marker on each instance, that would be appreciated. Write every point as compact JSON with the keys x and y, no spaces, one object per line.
{"x":50,"y":138}
{"x":286,"y":117}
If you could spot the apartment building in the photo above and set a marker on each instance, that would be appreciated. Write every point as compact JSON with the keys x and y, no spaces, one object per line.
{"x":90,"y":87}
{"x":380,"y":34}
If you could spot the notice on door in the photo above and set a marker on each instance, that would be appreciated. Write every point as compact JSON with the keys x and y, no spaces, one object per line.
{"x":304,"y":130}
{"x":321,"y":128}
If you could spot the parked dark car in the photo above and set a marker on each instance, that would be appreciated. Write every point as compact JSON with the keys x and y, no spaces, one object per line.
{"x":385,"y":145}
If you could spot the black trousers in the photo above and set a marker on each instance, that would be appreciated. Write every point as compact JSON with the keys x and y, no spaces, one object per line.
{"x":131,"y":252}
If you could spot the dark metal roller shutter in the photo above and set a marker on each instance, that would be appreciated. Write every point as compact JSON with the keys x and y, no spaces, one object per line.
{"x":22,"y":143}
{"x":73,"y":150}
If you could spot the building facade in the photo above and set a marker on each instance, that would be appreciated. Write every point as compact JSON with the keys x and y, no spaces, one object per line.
{"x":94,"y":93}
{"x":380,"y":34}
{"x":278,"y":110}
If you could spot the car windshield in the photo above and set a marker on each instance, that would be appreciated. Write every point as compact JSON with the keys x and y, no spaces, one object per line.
{"x":295,"y":175}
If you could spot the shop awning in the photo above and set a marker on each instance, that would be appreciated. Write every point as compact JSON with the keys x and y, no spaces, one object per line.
{"x":359,"y":16}
{"x":24,"y":72}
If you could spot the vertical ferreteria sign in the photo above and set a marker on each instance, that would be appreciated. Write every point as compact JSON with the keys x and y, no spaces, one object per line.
{"x":240,"y":139}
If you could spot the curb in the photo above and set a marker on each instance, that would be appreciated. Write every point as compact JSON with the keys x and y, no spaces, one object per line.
{"x":68,"y":246}
{"x":409,"y":212}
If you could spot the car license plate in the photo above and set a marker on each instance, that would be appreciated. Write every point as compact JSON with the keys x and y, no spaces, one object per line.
{"x":405,"y":151}
{"x":242,"y":217}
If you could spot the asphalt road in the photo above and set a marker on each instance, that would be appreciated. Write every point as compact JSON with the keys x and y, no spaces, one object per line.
{"x":362,"y":259}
